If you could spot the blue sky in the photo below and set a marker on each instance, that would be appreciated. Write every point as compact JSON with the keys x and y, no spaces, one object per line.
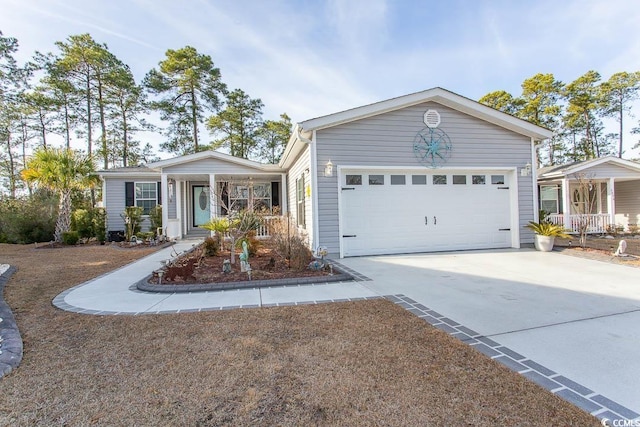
{"x":310,"y":58}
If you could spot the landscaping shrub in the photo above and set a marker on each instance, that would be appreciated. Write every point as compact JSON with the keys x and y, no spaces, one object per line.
{"x":70,"y":237}
{"x":29,"y":219}
{"x":253,"y":243}
{"x":633,"y":228}
{"x":132,"y":217}
{"x":100,"y":224}
{"x":89,"y":223}
{"x":211,"y":246}
{"x":220,"y":226}
{"x":82,"y":223}
{"x":290,"y":244}
{"x":155,"y":217}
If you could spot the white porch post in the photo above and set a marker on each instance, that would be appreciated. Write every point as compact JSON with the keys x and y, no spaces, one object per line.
{"x":177,"y":193}
{"x":213,"y":198}
{"x":611,"y":201}
{"x":566,"y":203}
{"x":284,"y":195}
{"x":184,"y":187}
{"x":165,"y":202}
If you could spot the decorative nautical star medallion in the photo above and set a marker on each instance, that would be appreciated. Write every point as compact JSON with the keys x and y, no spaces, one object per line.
{"x":432,"y":146}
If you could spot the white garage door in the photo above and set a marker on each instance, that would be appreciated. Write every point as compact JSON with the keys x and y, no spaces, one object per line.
{"x":386,"y":212}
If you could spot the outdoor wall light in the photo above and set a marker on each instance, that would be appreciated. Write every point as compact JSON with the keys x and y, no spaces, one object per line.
{"x":526,"y":170}
{"x":328,"y":169}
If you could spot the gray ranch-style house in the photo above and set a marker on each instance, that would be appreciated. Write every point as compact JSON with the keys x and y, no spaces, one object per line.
{"x":428,"y":171}
{"x":600,"y":193}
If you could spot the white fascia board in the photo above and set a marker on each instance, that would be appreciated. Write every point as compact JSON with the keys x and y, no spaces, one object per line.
{"x":440,"y":96}
{"x":128,"y":174}
{"x":296,"y":144}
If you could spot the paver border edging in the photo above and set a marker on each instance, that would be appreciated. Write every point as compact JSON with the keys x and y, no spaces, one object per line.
{"x":144,"y":285}
{"x":11,"y":344}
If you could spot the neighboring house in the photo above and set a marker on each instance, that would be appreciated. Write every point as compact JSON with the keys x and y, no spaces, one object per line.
{"x":601,"y":192}
{"x":429,"y":171}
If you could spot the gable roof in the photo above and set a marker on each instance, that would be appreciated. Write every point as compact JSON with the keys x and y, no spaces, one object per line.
{"x":559,"y":171}
{"x":210,"y":154}
{"x":156,"y":167}
{"x":303,"y":130}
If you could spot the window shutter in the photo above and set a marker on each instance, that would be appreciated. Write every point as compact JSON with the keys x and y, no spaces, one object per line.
{"x":129,"y":194}
{"x":275,"y":194}
{"x":159,"y":196}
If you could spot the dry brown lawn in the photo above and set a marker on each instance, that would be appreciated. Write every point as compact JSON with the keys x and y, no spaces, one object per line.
{"x":357,"y":363}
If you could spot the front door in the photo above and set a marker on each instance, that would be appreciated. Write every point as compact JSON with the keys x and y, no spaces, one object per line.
{"x":201,"y":205}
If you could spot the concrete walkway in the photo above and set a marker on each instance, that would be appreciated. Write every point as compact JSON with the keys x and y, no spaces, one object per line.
{"x":569,"y":324}
{"x":115,"y":292}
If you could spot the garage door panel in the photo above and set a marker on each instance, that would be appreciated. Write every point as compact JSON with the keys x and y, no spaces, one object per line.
{"x":417,"y":218}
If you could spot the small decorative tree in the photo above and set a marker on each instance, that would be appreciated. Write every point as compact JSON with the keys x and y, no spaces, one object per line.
{"x":583,"y":200}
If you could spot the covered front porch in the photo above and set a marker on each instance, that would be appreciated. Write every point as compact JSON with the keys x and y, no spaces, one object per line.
{"x":595,"y":196}
{"x":192,"y":200}
{"x":199,"y":187}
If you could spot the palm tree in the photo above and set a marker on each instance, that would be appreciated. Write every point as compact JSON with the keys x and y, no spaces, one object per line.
{"x":62,"y":170}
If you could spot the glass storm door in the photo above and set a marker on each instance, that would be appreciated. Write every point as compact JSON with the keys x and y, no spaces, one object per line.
{"x":201,"y":205}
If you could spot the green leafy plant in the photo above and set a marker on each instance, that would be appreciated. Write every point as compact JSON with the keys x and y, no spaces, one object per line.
{"x":70,"y":237}
{"x":220,"y":226}
{"x":100,"y":224}
{"x":132,"y":217}
{"x":547,"y":229}
{"x":155,"y":217}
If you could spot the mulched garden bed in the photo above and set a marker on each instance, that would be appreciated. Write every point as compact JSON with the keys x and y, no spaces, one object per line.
{"x":267,"y":264}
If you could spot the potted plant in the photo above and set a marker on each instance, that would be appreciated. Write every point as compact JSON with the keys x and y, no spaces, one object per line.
{"x":546,"y":234}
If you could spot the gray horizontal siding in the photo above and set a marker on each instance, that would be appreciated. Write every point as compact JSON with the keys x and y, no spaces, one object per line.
{"x":387,"y":140}
{"x":207,"y":166}
{"x":627,"y":194}
{"x":302,"y":163}
{"x":115,"y":202}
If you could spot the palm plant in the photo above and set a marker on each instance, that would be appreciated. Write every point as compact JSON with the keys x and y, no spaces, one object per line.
{"x":547,"y":229}
{"x":61,"y":170}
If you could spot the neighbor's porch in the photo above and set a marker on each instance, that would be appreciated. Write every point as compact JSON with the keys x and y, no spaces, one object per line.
{"x":192,"y":200}
{"x":575,"y":204}
{"x":591,"y":204}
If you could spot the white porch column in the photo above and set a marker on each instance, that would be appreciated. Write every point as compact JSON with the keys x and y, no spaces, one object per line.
{"x":165,"y":202}
{"x":566,"y":203}
{"x":213,"y":198}
{"x":185,"y":214}
{"x":611,"y":201}
{"x":177,"y":193}
{"x":284,"y":195}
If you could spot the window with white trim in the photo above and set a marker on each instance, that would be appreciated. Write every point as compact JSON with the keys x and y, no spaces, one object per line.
{"x":549,"y":199}
{"x":261,"y":197}
{"x":146,"y":196}
{"x":300,"y":208}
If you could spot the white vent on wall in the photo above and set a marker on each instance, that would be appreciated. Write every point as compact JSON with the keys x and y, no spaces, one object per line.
{"x":432,"y":119}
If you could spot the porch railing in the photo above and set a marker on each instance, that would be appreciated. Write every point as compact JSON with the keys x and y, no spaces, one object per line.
{"x":264,"y":230}
{"x":594,"y":223}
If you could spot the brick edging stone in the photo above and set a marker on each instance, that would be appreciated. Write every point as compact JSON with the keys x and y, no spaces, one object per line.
{"x":11,"y":345}
{"x":144,"y":285}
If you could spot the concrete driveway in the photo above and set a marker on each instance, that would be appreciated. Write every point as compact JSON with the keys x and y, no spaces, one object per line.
{"x":578,"y":318}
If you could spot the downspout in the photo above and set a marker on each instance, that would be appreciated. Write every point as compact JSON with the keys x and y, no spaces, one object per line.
{"x":534,"y":178}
